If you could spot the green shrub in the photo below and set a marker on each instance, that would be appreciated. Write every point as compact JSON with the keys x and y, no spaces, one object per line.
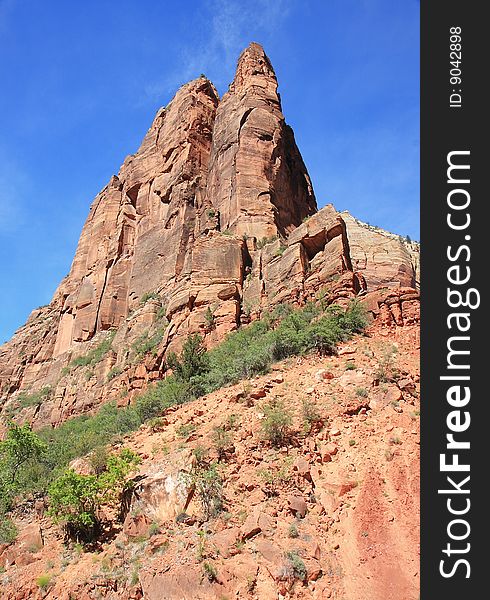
{"x":8,"y":530}
{"x":266,"y":240}
{"x":96,"y":354}
{"x":207,"y":483}
{"x":311,"y":414}
{"x":293,"y":531}
{"x":147,"y":343}
{"x":387,"y":371}
{"x":209,"y":318}
{"x":160,"y":396}
{"x":210,"y":571}
{"x":34,"y":399}
{"x":114,"y":372}
{"x":75,"y":500}
{"x":44,"y":581}
{"x":191,"y":362}
{"x":98,"y":459}
{"x":149,"y":296}
{"x":222,"y":441}
{"x":21,"y":446}
{"x":297,"y":565}
{"x":276,"y":426}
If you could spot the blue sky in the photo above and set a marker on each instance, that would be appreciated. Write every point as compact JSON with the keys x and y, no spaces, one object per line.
{"x":81,"y":82}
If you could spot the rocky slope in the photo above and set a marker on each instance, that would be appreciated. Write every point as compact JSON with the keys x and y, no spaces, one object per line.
{"x":212,"y":222}
{"x":342,"y":497}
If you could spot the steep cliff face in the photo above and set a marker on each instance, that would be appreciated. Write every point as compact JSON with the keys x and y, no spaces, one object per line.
{"x":257,"y":180}
{"x":140,"y":226}
{"x":384,"y":259}
{"x":212,"y":221}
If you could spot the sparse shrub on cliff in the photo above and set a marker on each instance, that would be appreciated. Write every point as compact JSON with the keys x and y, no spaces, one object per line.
{"x":98,"y":459}
{"x":210,"y":571}
{"x":266,"y":240}
{"x":8,"y":530}
{"x":297,"y":565}
{"x":207,"y":482}
{"x":96,"y":354}
{"x":114,"y":372}
{"x":44,"y":581}
{"x":149,"y":296}
{"x":387,"y":370}
{"x":222,"y":441}
{"x":311,"y":415}
{"x":147,"y":343}
{"x":34,"y":399}
{"x":209,"y":318}
{"x":276,"y":426}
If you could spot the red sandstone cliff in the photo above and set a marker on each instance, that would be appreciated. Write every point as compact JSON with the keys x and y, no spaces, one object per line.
{"x":212,"y":221}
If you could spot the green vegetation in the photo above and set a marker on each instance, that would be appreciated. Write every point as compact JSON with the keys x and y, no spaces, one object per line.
{"x":293,"y":531}
{"x":387,"y":371}
{"x":222,"y":441}
{"x":75,"y":500}
{"x":311,"y":414}
{"x":206,"y":480}
{"x":43,"y":581}
{"x":33,"y":462}
{"x":280,"y":251}
{"x":96,"y":354}
{"x":276,"y":426}
{"x":114,"y":372}
{"x":210,"y":571}
{"x":19,"y":451}
{"x":8,"y":530}
{"x":209,"y":318}
{"x":252,"y":350}
{"x":297,"y":565}
{"x":34,"y":399}
{"x":267,"y":240}
{"x":149,"y":296}
{"x":147,"y":343}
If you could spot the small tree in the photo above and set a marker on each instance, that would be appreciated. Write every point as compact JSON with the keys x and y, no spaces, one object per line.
{"x":20,"y":446}
{"x":75,"y":500}
{"x":192,"y":361}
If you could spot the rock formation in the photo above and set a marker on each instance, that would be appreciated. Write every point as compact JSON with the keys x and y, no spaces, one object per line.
{"x":211,"y":222}
{"x":383,"y":258}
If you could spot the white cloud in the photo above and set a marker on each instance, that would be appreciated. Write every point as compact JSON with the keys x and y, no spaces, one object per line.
{"x":232,"y":25}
